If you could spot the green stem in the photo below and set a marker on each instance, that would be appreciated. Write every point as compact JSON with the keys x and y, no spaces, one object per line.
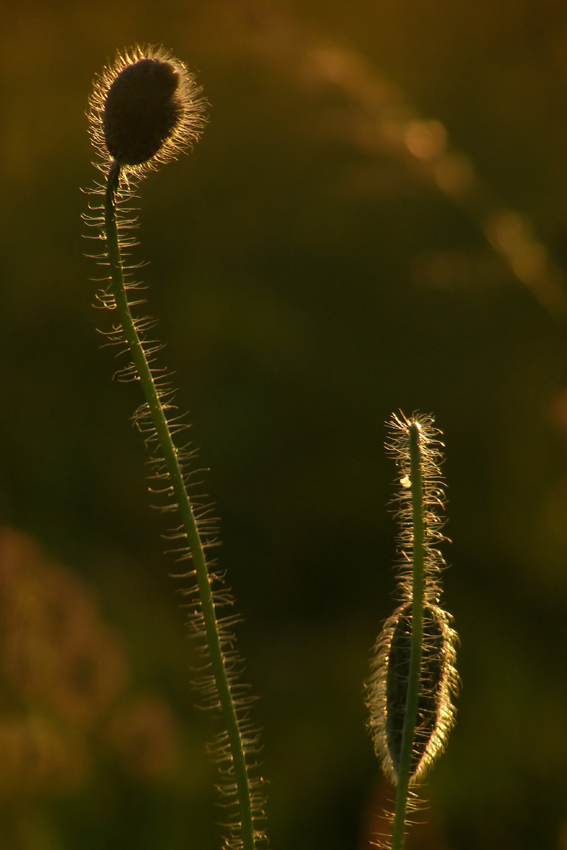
{"x":186,"y":512}
{"x":410,"y":718}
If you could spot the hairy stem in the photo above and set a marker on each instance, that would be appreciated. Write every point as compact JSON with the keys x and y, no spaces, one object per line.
{"x":418,"y":582}
{"x":170,"y":456}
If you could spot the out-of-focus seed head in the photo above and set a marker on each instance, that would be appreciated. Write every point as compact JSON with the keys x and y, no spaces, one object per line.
{"x":144,"y":110}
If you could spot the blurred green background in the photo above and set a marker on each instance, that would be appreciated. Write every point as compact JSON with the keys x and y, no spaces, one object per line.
{"x":310,"y":276}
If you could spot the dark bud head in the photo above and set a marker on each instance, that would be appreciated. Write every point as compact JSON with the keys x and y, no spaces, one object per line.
{"x":144,"y":110}
{"x":141,"y":111}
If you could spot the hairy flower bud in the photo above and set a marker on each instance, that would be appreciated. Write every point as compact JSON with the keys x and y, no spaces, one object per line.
{"x":145,"y":109}
{"x":415,"y":444}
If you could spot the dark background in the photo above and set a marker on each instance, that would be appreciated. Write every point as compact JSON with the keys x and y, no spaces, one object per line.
{"x":310,"y":278}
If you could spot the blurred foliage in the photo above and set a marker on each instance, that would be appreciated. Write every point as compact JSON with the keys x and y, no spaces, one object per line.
{"x":311,"y":273}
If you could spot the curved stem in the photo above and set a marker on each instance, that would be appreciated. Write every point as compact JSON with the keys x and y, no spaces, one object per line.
{"x":418,"y":558}
{"x":186,"y":511}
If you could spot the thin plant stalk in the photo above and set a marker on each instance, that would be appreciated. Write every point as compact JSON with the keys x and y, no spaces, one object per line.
{"x":186,"y":511}
{"x":413,"y":681}
{"x":418,"y":584}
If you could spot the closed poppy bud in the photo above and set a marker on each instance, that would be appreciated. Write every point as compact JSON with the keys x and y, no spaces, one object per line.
{"x":145,"y":109}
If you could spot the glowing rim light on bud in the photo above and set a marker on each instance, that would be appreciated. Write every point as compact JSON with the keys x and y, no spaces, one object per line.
{"x":145,"y":109}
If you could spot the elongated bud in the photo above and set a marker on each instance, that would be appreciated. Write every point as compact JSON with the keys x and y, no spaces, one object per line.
{"x":435,"y":713}
{"x":145,"y":109}
{"x":415,"y":445}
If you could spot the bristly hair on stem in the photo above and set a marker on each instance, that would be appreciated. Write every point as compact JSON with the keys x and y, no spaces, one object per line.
{"x":413,"y":681}
{"x":144,"y":110}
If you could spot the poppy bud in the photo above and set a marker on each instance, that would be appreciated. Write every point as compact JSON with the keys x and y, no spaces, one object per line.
{"x":144,"y":110}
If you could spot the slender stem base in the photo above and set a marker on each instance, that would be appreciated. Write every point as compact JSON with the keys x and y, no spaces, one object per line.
{"x":237,"y":771}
